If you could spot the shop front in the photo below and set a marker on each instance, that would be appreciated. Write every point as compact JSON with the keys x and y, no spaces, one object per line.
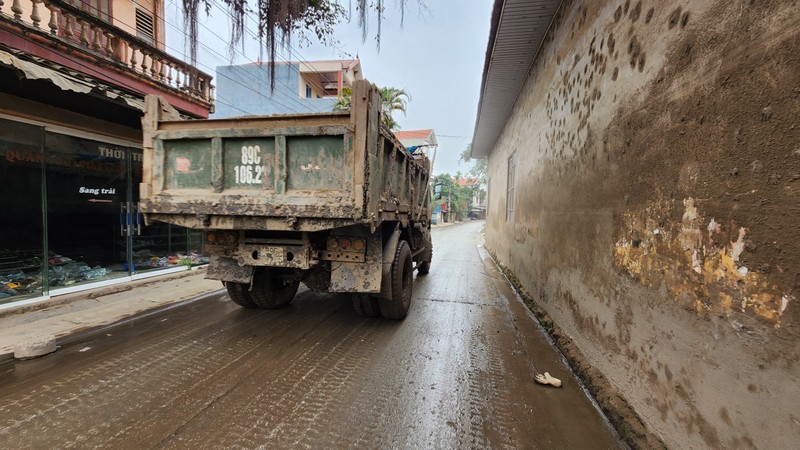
{"x":69,"y":218}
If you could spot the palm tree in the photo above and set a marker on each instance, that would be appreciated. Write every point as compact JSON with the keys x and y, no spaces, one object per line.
{"x":392,"y":99}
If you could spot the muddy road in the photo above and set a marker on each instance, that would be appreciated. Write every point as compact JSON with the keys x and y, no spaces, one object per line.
{"x":457,"y":373}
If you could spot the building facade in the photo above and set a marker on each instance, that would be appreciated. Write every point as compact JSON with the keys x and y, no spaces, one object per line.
{"x":643,"y":189}
{"x":422,"y":140}
{"x":299,"y":87}
{"x":73,"y":76}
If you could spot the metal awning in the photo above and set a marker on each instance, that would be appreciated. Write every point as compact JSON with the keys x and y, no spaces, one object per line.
{"x":33,"y":71}
{"x":517,"y":31}
{"x":39,"y":70}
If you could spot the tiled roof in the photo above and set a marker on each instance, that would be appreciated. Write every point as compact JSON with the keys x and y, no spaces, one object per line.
{"x":415,"y":134}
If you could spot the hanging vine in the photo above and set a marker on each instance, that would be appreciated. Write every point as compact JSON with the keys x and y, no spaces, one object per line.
{"x":278,"y":20}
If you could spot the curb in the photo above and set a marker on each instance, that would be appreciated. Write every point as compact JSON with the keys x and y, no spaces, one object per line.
{"x":94,"y":293}
{"x":77,"y":334}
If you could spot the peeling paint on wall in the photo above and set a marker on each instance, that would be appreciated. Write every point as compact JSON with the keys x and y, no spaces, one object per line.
{"x":692,"y":266}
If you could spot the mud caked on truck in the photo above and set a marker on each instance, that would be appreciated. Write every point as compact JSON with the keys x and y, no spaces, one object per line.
{"x":332,"y":200}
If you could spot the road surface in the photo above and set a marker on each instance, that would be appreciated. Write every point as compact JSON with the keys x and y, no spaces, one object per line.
{"x":457,"y":373}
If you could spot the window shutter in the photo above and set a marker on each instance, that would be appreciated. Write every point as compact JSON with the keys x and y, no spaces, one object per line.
{"x":144,"y":26}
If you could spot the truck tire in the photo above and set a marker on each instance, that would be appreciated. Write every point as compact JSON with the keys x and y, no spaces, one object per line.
{"x":424,"y":267}
{"x":402,"y":274}
{"x":366,"y":305}
{"x":238,"y":292}
{"x":270,"y":290}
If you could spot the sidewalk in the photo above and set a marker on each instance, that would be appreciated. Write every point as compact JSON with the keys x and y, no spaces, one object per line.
{"x":65,"y":315}
{"x":443,"y":224}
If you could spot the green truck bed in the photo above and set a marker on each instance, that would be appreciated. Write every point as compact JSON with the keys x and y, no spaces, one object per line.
{"x":289,"y":172}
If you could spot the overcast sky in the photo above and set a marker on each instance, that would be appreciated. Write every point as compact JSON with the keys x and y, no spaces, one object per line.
{"x":437,"y":56}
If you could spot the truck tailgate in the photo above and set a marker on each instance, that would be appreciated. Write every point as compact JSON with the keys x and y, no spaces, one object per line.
{"x":298,"y":166}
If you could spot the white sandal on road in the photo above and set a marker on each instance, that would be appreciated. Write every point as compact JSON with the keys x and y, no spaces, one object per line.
{"x":547,"y":379}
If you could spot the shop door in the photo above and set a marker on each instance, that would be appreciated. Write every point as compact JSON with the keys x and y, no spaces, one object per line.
{"x":88,"y":185}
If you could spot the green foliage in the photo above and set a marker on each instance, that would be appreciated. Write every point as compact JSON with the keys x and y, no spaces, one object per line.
{"x":456,"y":195}
{"x":343,"y":103}
{"x":479,"y":165}
{"x":392,"y":99}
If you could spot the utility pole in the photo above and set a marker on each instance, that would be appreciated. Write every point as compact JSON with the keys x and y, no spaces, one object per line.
{"x":449,"y":205}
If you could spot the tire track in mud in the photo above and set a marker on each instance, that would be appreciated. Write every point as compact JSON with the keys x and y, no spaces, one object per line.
{"x":495,"y":380}
{"x":393,"y":395}
{"x":427,"y":387}
{"x":113,"y":397}
{"x":312,"y":375}
{"x":285,"y":409}
{"x":327,"y":396}
{"x":199,"y":396}
{"x":320,"y":397}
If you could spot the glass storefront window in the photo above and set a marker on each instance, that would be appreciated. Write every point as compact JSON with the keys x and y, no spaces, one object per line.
{"x":69,"y":215}
{"x":161,"y":245}
{"x":87,"y":190}
{"x":21,"y":216}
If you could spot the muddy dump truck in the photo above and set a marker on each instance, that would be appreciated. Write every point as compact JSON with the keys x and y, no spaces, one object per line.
{"x":332,"y":200}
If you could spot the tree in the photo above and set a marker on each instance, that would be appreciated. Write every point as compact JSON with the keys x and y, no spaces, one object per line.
{"x":448,"y":190}
{"x":392,"y":99}
{"x":279,"y":19}
{"x":479,"y":165}
{"x":477,"y":171}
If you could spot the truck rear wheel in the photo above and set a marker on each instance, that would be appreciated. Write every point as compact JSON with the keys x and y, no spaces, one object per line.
{"x":271,"y":290}
{"x":424,"y":267}
{"x":402,"y":274}
{"x":238,"y":292}
{"x":366,"y":305}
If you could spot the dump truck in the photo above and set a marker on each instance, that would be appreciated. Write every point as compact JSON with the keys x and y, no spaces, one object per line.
{"x":332,"y":200}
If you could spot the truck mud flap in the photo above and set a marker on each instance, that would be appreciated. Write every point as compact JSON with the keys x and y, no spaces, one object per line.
{"x":362,"y":277}
{"x":226,"y":269}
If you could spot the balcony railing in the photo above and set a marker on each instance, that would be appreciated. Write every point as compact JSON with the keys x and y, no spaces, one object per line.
{"x":64,"y":26}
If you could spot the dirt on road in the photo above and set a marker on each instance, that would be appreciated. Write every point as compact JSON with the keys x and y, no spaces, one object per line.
{"x":457,"y":373}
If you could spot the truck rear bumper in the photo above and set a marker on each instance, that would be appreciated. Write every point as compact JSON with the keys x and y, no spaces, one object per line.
{"x":226,"y":269}
{"x":290,"y":256}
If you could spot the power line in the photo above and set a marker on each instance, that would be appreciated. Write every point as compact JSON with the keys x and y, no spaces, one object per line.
{"x":219,"y":58}
{"x":288,"y":46}
{"x":255,"y":80}
{"x":452,"y":136}
{"x":211,"y":69}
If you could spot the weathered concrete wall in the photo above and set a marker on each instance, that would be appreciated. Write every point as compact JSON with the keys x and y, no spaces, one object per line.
{"x":657,"y":214}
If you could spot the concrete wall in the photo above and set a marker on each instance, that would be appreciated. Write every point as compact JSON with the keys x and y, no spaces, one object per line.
{"x":657,"y":214}
{"x":245,"y":90}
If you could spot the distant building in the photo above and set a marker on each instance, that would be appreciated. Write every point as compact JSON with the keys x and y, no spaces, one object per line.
{"x":424,"y":139}
{"x":300,"y":87}
{"x":477,"y":205}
